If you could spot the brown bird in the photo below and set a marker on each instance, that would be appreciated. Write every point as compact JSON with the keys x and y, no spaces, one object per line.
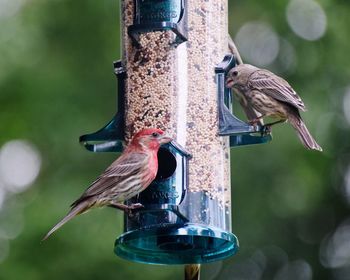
{"x":126,"y":177}
{"x":272,"y":96}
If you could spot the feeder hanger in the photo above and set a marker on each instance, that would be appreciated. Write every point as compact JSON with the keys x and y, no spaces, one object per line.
{"x":153,"y":16}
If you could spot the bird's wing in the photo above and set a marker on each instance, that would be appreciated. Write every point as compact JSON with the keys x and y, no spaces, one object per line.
{"x":126,"y":166}
{"x":276,"y":87}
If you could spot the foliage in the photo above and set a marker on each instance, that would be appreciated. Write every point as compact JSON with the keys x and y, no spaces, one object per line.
{"x":56,"y":83}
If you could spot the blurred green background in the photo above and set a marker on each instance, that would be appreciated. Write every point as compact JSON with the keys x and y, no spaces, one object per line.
{"x":290,"y":205}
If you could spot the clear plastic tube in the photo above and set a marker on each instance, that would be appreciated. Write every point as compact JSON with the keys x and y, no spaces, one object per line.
{"x":172,"y":87}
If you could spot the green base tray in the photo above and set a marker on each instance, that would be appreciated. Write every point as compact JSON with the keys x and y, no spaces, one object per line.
{"x":191,"y":243}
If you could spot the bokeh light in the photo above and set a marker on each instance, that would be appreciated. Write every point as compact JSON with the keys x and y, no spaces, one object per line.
{"x":20,"y":164}
{"x":247,"y":269}
{"x":258,"y":43}
{"x":346,"y":104}
{"x":210,"y":271}
{"x":2,"y":195}
{"x":341,"y":273}
{"x":307,"y":19}
{"x":260,"y":259}
{"x":275,"y":254}
{"x":270,"y":262}
{"x":295,"y":270}
{"x":287,"y":59}
{"x":11,"y":219}
{"x":335,"y":249}
{"x":9,"y":8}
{"x":346,"y":186}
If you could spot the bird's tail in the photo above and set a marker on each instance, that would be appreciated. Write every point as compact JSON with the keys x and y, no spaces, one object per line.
{"x":76,"y":210}
{"x":304,"y":135}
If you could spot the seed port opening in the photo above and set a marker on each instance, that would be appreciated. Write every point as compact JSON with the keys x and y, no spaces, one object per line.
{"x":166,"y":164}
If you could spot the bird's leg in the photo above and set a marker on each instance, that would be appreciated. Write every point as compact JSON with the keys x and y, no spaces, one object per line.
{"x":256,"y":120}
{"x":135,"y":206}
{"x":267,"y":127}
{"x":276,"y":122}
{"x":126,"y":208}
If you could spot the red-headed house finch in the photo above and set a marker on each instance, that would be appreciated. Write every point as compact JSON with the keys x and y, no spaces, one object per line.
{"x":126,"y":177}
{"x":272,"y":96}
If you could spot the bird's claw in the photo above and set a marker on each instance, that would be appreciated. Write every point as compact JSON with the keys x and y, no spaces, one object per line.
{"x":130,"y":209}
{"x":265,"y":130}
{"x":254,"y":122}
{"x":135,"y":206}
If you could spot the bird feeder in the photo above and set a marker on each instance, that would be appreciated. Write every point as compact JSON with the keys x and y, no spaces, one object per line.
{"x":172,"y":77}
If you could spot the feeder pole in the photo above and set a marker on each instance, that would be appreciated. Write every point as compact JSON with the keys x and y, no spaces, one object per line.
{"x":192,"y":271}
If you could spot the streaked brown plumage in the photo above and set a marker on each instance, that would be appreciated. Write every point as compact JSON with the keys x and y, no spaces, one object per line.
{"x":272,"y":96}
{"x":129,"y":175}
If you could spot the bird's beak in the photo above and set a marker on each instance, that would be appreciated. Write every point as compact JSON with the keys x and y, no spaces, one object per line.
{"x":165,"y":139}
{"x":229,"y":82}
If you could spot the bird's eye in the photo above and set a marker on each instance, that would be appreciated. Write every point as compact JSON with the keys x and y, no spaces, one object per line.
{"x":235,"y":73}
{"x":155,"y":134}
